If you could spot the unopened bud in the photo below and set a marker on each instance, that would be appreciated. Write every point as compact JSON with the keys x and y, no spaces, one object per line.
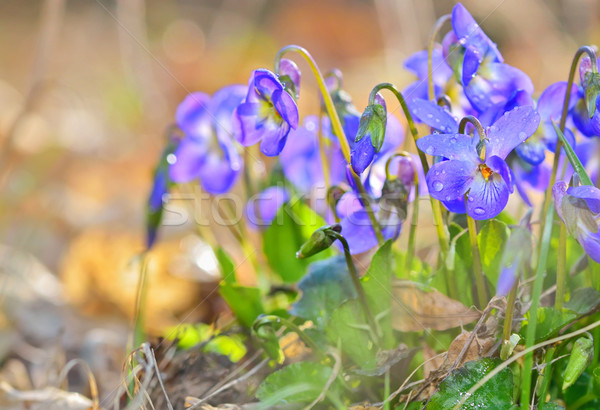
{"x":581,"y":356}
{"x":320,"y":240}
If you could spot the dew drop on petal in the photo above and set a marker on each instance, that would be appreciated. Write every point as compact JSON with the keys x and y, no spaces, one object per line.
{"x":522,"y":136}
{"x":429,"y":150}
{"x":171,"y":159}
{"x":437,"y":120}
{"x":453,"y":140}
{"x":479,"y":211}
{"x":437,"y":172}
{"x":471,"y":199}
{"x":437,"y":186}
{"x":429,"y":115}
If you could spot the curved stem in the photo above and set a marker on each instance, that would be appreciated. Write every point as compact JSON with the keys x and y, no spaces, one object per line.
{"x":563,"y":120}
{"x":410,"y":251}
{"x":268,"y":319}
{"x":336,"y":126}
{"x":362,"y":297}
{"x":444,"y":100}
{"x":323,"y":154}
{"x":435,"y":204}
{"x":434,"y":32}
{"x":482,"y":296}
{"x":469,"y":119}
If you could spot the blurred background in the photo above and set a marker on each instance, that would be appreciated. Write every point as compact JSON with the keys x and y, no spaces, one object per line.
{"x":87,"y":91}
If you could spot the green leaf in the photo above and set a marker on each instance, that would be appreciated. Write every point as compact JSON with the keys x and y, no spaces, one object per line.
{"x":491,"y":241}
{"x":458,"y":266}
{"x":418,"y":272}
{"x":326,"y":286}
{"x":583,"y":300}
{"x":245,"y":302}
{"x":592,"y":90}
{"x":573,"y":158}
{"x":226,"y":264}
{"x":298,"y":382}
{"x":549,"y":322}
{"x":189,"y":335}
{"x":349,"y":325}
{"x":377,"y":283}
{"x":495,"y":394}
{"x":293,"y":225}
{"x":230,"y":346}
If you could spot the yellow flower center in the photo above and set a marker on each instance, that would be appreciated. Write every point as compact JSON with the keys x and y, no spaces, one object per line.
{"x":485,"y":171}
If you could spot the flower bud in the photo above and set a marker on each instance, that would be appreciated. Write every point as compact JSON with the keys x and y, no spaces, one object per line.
{"x":581,"y":356}
{"x":289,"y":75}
{"x":406,"y":171}
{"x":592,"y":92}
{"x":320,"y":240}
{"x":373,"y":122}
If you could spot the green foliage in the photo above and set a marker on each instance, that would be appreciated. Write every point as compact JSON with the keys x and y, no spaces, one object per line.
{"x":377,"y":283}
{"x":495,"y":394}
{"x":245,"y":302}
{"x":549,"y":322}
{"x":491,"y":241}
{"x":349,"y":326}
{"x":293,"y":225}
{"x":326,"y":286}
{"x":226,"y":265}
{"x":583,"y":300}
{"x":201,"y":334}
{"x":299,"y":382}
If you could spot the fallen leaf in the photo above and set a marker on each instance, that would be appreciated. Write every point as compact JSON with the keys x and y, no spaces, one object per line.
{"x":414,"y":309}
{"x":49,"y":398}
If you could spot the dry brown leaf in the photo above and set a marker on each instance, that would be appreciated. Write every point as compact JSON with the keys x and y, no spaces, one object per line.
{"x":48,"y":398}
{"x":478,"y":348}
{"x":414,"y":309}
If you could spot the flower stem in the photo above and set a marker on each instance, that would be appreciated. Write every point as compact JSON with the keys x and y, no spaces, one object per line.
{"x":561,"y":268}
{"x":323,"y":154}
{"x":482,"y":296}
{"x":547,"y":376}
{"x":563,"y":120}
{"x":362,"y":297}
{"x":434,"y":32}
{"x":412,"y":234}
{"x":442,"y":232}
{"x":268,"y":319}
{"x":508,"y":317}
{"x":336,"y":126}
{"x":535,"y":301}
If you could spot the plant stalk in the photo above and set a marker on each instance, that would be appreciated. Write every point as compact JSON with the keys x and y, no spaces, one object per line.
{"x":336,"y":126}
{"x":362,"y":297}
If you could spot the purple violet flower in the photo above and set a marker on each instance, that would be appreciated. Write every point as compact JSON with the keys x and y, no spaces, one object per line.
{"x":579,"y":209}
{"x":208,"y":152}
{"x":549,"y":107}
{"x":301,"y":158}
{"x":587,"y":126}
{"x":356,"y":225}
{"x":267,"y":114}
{"x":479,"y":66}
{"x":363,"y":151}
{"x":262,"y":208}
{"x":477,"y":168}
